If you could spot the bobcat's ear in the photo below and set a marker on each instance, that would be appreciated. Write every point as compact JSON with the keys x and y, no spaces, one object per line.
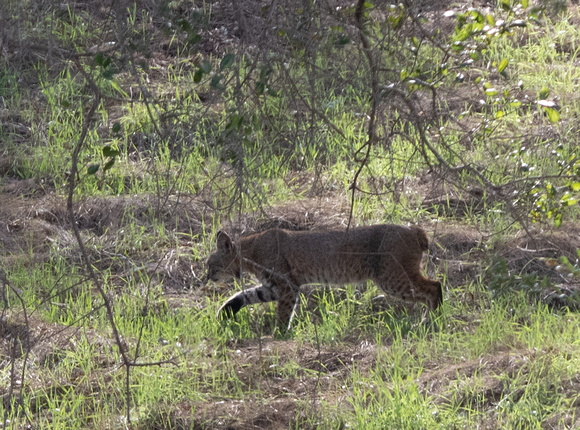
{"x":223,"y":241}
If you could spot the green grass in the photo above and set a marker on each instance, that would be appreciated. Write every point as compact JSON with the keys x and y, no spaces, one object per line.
{"x":515,"y":352}
{"x":197,"y":157}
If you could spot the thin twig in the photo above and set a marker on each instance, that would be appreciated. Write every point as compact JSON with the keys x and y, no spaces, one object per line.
{"x":374,"y":101}
{"x":128,"y":362}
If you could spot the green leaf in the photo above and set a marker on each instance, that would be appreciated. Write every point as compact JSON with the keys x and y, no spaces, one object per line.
{"x":343,"y":40}
{"x":235,"y":121}
{"x":92,"y":169}
{"x":215,"y":80}
{"x":206,"y":67}
{"x":499,"y":114}
{"x":99,"y":59}
{"x":109,"y":164}
{"x":109,"y":151}
{"x":477,"y":26}
{"x":553,"y":114}
{"x":464,"y":33}
{"x":227,"y":61}
{"x":265,"y":72}
{"x":558,"y":220}
{"x":502,"y":65}
{"x":109,"y":73}
{"x":116,"y":127}
{"x":397,"y":22}
{"x":544,"y":93}
{"x":477,"y":16}
{"x":457,"y":47}
{"x":193,"y":38}
{"x":572,"y":202}
{"x":197,"y":76}
{"x":184,"y":25}
{"x":575,"y":186}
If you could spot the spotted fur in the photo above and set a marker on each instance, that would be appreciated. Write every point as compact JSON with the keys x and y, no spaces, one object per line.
{"x":283,"y":260}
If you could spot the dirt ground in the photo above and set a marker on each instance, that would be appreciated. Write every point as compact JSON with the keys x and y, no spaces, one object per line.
{"x":34,"y":223}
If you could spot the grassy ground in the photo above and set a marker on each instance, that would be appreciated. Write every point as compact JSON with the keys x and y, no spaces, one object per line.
{"x":502,"y":353}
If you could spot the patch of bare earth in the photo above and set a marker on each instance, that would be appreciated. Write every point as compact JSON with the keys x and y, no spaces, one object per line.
{"x":285,"y":382}
{"x":485,"y":383}
{"x":465,"y":253}
{"x":31,"y":348}
{"x":287,"y":396}
{"x":34,"y":222}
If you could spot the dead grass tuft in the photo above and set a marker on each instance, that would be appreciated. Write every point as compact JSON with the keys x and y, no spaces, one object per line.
{"x":36,"y":347}
{"x":473,"y":380}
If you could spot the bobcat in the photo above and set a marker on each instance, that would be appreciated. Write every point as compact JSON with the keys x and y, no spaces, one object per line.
{"x":284,"y":260}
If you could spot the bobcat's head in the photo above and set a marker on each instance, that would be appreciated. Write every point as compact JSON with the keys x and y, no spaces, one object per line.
{"x":223,"y":263}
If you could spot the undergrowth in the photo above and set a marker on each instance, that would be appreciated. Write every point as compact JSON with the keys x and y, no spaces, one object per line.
{"x":192,"y":133}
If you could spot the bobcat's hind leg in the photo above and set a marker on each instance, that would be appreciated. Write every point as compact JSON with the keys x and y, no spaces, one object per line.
{"x":286,"y":307}
{"x":412,"y":288}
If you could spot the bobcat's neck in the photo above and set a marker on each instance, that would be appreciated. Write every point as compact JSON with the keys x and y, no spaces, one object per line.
{"x":248,"y":252}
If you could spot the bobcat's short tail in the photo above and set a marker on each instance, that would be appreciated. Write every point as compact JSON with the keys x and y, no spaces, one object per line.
{"x":421,"y":237}
{"x":250,"y":296}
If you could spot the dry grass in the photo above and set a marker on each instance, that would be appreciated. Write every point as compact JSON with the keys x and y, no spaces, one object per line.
{"x":149,"y":250}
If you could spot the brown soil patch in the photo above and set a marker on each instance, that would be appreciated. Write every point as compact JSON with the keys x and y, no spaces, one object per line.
{"x":313,"y":213}
{"x":316,"y":374}
{"x":464,"y":253}
{"x":526,"y":252}
{"x":35,"y":347}
{"x":34,"y":223}
{"x":458,"y":251}
{"x":475,"y":379}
